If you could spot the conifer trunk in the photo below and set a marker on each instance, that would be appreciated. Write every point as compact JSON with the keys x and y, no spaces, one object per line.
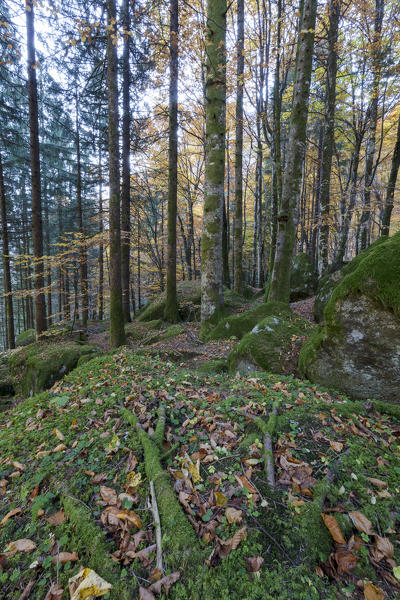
{"x":211,"y":243}
{"x":37,"y":224}
{"x":287,"y":219}
{"x":83,"y":267}
{"x":238,"y":228}
{"x":6,"y":263}
{"x":171,"y":313}
{"x":117,"y":330}
{"x":126,"y":170}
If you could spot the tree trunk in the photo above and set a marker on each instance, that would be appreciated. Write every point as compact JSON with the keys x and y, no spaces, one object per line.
{"x":211,"y":244}
{"x":369,"y":173}
{"x":101,"y":245}
{"x":37,"y":225}
{"x":329,"y":134}
{"x":171,"y":313}
{"x":238,"y":229}
{"x":117,"y":330}
{"x":276,"y":144}
{"x":83,"y":267}
{"x":6,"y":263}
{"x":387,"y":213}
{"x":287,"y":219}
{"x":126,"y":170}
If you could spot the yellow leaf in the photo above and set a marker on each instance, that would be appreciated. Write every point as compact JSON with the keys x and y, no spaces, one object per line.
{"x":133,"y":479}
{"x":58,"y":434}
{"x":220,"y":499}
{"x":131,"y":517}
{"x":371,"y":592}
{"x":87,"y":584}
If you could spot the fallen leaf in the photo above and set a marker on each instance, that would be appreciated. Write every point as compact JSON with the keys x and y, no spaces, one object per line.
{"x":22,"y":545}
{"x":220,"y":499}
{"x":55,"y":592}
{"x":336,"y":446}
{"x":131,"y":517}
{"x":334,"y":529}
{"x":254,"y":564}
{"x":377,"y":482}
{"x":371,"y":592}
{"x":60,"y":448}
{"x":384,"y":546}
{"x":64,"y":557}
{"x":108,"y":495}
{"x":144,"y":594}
{"x":12,"y":513}
{"x":56,"y":519}
{"x":233,"y":515}
{"x":87,"y":584}
{"x":165,"y":582}
{"x":18,"y":465}
{"x":361,"y":522}
{"x":59,"y":435}
{"x":346,"y":561}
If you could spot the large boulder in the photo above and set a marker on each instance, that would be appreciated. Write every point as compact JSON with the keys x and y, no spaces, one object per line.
{"x":6,"y":384}
{"x":272,"y":345}
{"x":303,"y":277}
{"x":239,"y":324}
{"x":325,"y":290}
{"x":37,"y":367}
{"x":357,"y":350}
{"x":189,"y":300}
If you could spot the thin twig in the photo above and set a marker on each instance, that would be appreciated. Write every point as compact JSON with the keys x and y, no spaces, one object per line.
{"x":157,"y":524}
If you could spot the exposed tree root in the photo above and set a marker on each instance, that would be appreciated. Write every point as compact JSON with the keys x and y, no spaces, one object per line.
{"x":180,"y":541}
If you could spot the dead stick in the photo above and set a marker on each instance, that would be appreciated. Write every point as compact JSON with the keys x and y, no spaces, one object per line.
{"x":268,"y":452}
{"x":157,"y":523}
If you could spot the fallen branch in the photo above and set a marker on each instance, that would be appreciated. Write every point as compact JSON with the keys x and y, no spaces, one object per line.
{"x":157,"y":524}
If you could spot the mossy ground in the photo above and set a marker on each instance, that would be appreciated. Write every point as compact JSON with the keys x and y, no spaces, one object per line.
{"x":86,"y":409}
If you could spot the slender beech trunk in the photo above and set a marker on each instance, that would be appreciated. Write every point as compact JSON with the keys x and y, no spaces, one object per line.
{"x":139,"y":270}
{"x":117,"y":330}
{"x":329,"y":134}
{"x":369,"y":173}
{"x":276,"y":148}
{"x":387,"y":213}
{"x":225,"y":247}
{"x":211,"y":243}
{"x":37,"y":225}
{"x":126,"y":170}
{"x":287,"y":219}
{"x":238,"y":230}
{"x":171,"y":313}
{"x":83,"y":267}
{"x":6,"y":263}
{"x":101,"y":245}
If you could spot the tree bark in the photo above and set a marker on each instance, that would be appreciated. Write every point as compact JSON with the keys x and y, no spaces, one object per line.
{"x":83,"y":267}
{"x":276,"y":148}
{"x":369,"y":173}
{"x":238,"y":228}
{"x":387,"y":213}
{"x":329,"y":134}
{"x":101,"y":245}
{"x":6,"y":263}
{"x":126,"y":170}
{"x":37,"y":224}
{"x":117,"y":330}
{"x":171,"y":313}
{"x":211,"y":243}
{"x":287,"y":219}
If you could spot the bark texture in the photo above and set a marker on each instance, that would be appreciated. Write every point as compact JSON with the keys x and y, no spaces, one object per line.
{"x":6,"y":263}
{"x":126,"y":171}
{"x":238,"y":229}
{"x":387,"y":213}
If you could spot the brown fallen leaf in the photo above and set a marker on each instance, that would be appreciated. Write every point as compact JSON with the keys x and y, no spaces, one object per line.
{"x":384,"y":546}
{"x":27,"y":591}
{"x":226,"y":546}
{"x":22,"y":545}
{"x":64,"y":557}
{"x":56,"y":519}
{"x":144,"y":594}
{"x":346,"y":561}
{"x":12,"y":513}
{"x":131,"y":517}
{"x":60,"y":448}
{"x":334,"y":529}
{"x":59,"y":435}
{"x":165,"y":582}
{"x":233,"y":515}
{"x":55,"y":592}
{"x":371,"y":592}
{"x":131,"y":463}
{"x":18,"y":465}
{"x":108,"y":495}
{"x":361,"y":522}
{"x":254,"y":564}
{"x":377,"y":482}
{"x":336,"y":446}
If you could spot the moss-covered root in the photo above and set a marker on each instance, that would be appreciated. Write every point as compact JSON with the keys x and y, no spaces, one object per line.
{"x":158,"y":435}
{"x":95,"y":551}
{"x":179,"y":539}
{"x":268,"y":429}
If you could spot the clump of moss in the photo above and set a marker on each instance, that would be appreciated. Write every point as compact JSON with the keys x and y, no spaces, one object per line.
{"x":138,"y":331}
{"x":25,"y":337}
{"x":188,"y":297}
{"x":303,"y":277}
{"x":240,"y":324}
{"x":212,"y":367}
{"x":38,"y":366}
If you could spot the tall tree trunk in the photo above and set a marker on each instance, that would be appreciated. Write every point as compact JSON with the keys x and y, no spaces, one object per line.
{"x":117,"y":329}
{"x":83,"y":266}
{"x":238,"y":228}
{"x":6,"y":263}
{"x":211,"y":244}
{"x":287,"y":220}
{"x":329,"y":134}
{"x":101,"y":245}
{"x":369,"y":173}
{"x":126,"y":170}
{"x":171,"y":313}
{"x":225,"y":248}
{"x":37,"y":225}
{"x":387,"y":213}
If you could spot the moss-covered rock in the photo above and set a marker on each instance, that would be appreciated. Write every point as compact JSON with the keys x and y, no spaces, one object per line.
{"x":239,"y":324}
{"x":269,"y":345}
{"x":188,"y":296}
{"x":138,"y":331}
{"x":325,"y":289}
{"x":25,"y":337}
{"x":6,"y":384}
{"x":357,"y":351}
{"x":38,"y":366}
{"x":303,"y":277}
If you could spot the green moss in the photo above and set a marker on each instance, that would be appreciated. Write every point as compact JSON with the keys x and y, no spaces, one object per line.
{"x":308,"y":352}
{"x":212,"y":367}
{"x":266,"y":345}
{"x":188,"y":297}
{"x":172,"y":331}
{"x":138,"y":331}
{"x":38,"y":366}
{"x":239,"y":324}
{"x":25,"y":337}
